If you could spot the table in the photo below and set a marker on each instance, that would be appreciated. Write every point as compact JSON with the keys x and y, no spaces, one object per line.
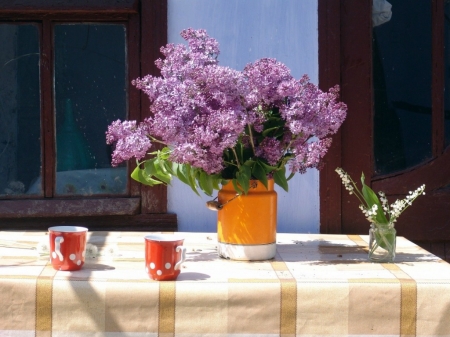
{"x":318,"y":285}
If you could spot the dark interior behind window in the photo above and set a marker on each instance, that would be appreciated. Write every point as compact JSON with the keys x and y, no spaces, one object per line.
{"x":90,"y":69}
{"x":20,"y":147}
{"x":402,"y":70}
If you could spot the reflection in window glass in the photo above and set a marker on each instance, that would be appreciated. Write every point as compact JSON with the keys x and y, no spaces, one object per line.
{"x":90,"y":93}
{"x":20,"y":149}
{"x":402,"y":87}
{"x":447,"y":73}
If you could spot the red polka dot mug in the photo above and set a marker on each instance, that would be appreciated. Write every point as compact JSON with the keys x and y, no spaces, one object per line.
{"x":164,"y":254}
{"x":67,"y":247}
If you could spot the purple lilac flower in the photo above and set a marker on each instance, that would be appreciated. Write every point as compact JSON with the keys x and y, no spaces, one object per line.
{"x":311,"y":111}
{"x":264,"y":76}
{"x":309,"y":155}
{"x":270,"y":149}
{"x":201,"y":109}
{"x":130,"y":140}
{"x":196,"y":103}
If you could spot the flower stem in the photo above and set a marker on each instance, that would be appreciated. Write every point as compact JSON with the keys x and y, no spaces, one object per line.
{"x":237,"y":159}
{"x":250,"y":134}
{"x":153,"y":139}
{"x":358,"y":194}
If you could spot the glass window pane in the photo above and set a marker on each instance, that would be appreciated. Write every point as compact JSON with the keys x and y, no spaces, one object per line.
{"x":20,"y":147}
{"x":402,"y":87}
{"x":90,"y":93}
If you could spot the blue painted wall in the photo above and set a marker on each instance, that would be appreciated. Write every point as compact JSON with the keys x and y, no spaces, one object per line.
{"x":248,"y":30}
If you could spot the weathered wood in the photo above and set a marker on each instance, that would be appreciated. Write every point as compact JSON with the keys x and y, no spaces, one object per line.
{"x":62,"y":16}
{"x":428,"y":219}
{"x":68,"y":207}
{"x":134,"y":108}
{"x":356,"y":83}
{"x":434,"y":174}
{"x":47,"y":118}
{"x":447,"y":251}
{"x":139,"y":222}
{"x":438,"y":76}
{"x":438,"y":248}
{"x":154,"y":26}
{"x":125,"y":6}
{"x":424,"y":244}
{"x":329,"y":75}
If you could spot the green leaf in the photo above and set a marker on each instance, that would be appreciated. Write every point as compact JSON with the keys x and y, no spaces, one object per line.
{"x":177,"y":168}
{"x":267,"y":168}
{"x":240,"y":152}
{"x":163,"y":165}
{"x":164,"y":153}
{"x":259,"y":173}
{"x":236,"y":186}
{"x":279,"y":178}
{"x":216,"y":182}
{"x":136,"y":175}
{"x":190,"y":176}
{"x":290,"y":176}
{"x":161,"y":172}
{"x":139,"y":175}
{"x":153,"y":169}
{"x":385,"y":239}
{"x":266,"y":132}
{"x":243,"y":177}
{"x":169,"y":167}
{"x":205,"y":182}
{"x":371,"y":199}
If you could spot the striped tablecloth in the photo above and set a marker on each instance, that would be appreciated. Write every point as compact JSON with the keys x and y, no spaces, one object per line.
{"x":318,"y":285}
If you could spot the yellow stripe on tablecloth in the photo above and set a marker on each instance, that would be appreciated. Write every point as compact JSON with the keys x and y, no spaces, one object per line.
{"x":279,"y":265}
{"x":288,"y":298}
{"x":408,"y":300}
{"x":166,"y":308}
{"x":409,"y":308}
{"x":360,"y":242}
{"x":44,"y":301}
{"x":288,"y":316}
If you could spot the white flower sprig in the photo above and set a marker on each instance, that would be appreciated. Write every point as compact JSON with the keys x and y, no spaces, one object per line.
{"x":377,"y":209}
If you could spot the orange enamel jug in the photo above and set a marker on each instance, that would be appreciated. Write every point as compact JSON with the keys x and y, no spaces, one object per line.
{"x":247,"y":224}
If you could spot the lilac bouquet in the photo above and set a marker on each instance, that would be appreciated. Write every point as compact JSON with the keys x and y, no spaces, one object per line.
{"x":219,"y":124}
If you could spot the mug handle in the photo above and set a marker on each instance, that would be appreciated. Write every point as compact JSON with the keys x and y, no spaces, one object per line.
{"x":183,"y":257}
{"x":58,"y":241}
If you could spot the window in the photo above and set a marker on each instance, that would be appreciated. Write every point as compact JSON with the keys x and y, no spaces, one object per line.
{"x":90,"y":92}
{"x":19,"y":109}
{"x":402,"y":89}
{"x":393,"y":78}
{"x":66,"y":72}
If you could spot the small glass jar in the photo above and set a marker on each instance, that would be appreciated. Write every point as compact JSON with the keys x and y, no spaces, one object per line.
{"x":382,"y":240}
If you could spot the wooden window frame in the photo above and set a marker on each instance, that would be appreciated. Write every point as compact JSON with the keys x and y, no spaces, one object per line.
{"x":343,"y":25}
{"x":329,"y":75}
{"x":143,"y":208}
